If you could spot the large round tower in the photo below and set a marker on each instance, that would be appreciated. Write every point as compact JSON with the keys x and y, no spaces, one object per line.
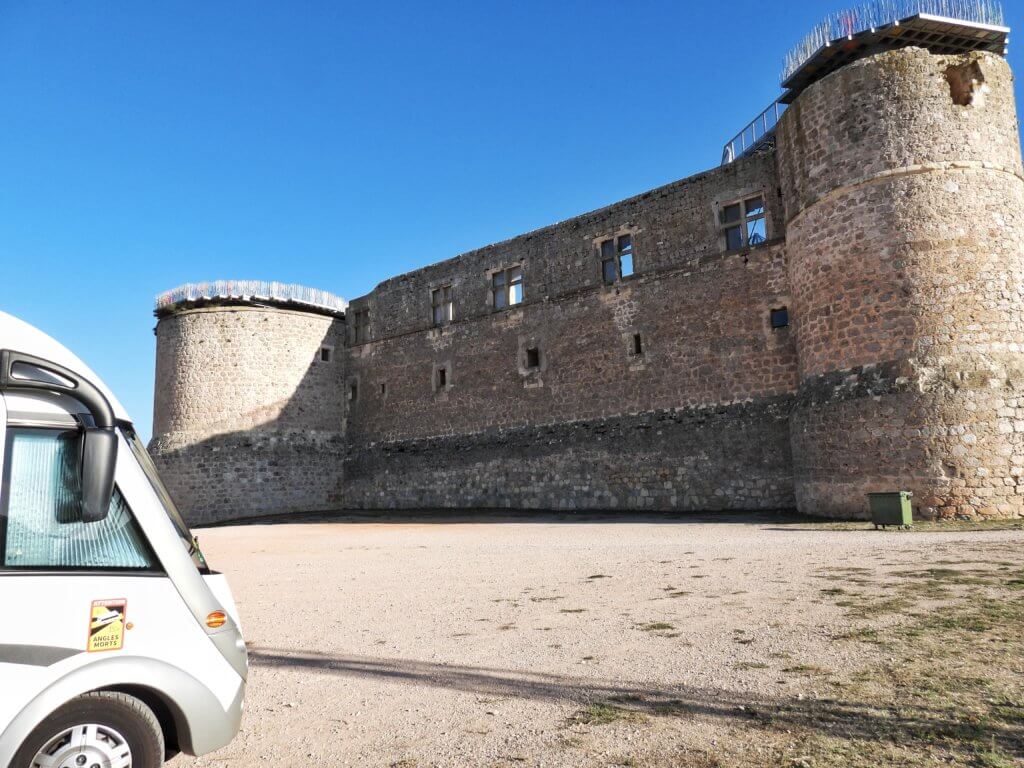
{"x":249,"y":400}
{"x":901,"y":176}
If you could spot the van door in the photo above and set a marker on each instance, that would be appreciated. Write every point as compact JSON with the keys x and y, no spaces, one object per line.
{"x":73,"y":593}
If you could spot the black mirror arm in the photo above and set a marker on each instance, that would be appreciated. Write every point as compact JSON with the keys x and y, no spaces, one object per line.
{"x":82,"y":390}
{"x":99,"y":442}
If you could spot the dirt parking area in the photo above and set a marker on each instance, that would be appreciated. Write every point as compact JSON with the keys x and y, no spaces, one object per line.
{"x":544,"y":642}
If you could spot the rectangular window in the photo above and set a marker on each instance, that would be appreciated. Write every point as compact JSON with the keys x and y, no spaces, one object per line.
{"x":325,"y":354}
{"x":533,"y":357}
{"x":361,"y":326}
{"x":353,"y":391}
{"x":780,"y":317}
{"x":616,"y":258}
{"x":743,"y":223}
{"x":441,"y":305}
{"x":442,"y":378}
{"x":638,"y":344}
{"x":42,"y":514}
{"x":507,"y":287}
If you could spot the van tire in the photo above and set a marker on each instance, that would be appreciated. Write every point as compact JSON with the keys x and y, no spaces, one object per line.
{"x":123,"y":713}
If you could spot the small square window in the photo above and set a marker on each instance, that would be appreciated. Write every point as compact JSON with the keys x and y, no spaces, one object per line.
{"x":533,"y":357}
{"x":361,"y":326}
{"x":616,"y":258}
{"x":744,"y":223}
{"x":755,"y":231}
{"x":780,"y":317}
{"x":325,"y":354}
{"x":733,"y":238}
{"x":608,"y":271}
{"x":507,"y":287}
{"x":441,"y":305}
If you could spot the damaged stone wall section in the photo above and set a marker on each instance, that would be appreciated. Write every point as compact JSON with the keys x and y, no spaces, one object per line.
{"x":967,"y":83}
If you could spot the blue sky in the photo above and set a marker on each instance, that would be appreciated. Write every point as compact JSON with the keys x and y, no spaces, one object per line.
{"x":335,"y":144}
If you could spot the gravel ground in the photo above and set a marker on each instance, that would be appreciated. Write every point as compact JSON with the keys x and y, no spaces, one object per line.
{"x":467,"y":643}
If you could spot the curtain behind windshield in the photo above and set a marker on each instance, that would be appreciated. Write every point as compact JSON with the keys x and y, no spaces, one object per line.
{"x":44,"y":525}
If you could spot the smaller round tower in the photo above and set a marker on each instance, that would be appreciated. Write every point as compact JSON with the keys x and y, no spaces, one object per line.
{"x":249,"y":405}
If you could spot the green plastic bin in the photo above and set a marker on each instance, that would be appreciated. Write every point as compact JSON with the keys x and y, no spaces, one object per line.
{"x":892,"y":508}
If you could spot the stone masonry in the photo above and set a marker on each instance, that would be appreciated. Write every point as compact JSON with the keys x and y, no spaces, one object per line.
{"x":893,"y":231}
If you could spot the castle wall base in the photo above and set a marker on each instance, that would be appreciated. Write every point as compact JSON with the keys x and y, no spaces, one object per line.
{"x":733,"y":457}
{"x":243,"y":475}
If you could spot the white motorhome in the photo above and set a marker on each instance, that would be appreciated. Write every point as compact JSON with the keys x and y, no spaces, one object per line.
{"x":118,"y":645}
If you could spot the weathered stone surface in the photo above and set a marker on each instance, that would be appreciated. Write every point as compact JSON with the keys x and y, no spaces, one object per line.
{"x":895,"y":223}
{"x":906,"y":224}
{"x":247,"y":420}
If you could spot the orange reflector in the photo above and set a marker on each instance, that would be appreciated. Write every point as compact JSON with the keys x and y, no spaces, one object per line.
{"x":216,"y":619}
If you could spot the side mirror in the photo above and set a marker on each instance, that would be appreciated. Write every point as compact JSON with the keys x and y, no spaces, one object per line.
{"x":99,"y":458}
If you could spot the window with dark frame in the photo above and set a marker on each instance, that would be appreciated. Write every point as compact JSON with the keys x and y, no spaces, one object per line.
{"x":42,"y":526}
{"x":780,"y":317}
{"x":361,"y":326}
{"x":616,"y":258}
{"x":533,"y":357}
{"x":441,"y":305}
{"x":743,"y":223}
{"x":507,"y":287}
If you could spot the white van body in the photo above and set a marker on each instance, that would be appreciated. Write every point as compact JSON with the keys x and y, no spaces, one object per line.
{"x":116,"y":623}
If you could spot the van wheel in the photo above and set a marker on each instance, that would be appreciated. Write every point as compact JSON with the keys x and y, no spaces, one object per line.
{"x":97,"y":730}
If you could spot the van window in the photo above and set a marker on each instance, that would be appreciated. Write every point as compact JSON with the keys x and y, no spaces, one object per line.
{"x":41,"y":519}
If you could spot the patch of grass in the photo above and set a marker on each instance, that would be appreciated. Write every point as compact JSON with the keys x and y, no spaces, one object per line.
{"x":546,"y":599}
{"x":656,"y":626}
{"x":572,"y":610}
{"x":605,"y":714}
{"x":749,"y":665}
{"x":859,"y":634}
{"x":805,"y":669}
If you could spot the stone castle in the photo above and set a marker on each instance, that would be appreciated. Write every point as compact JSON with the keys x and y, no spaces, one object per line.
{"x":837,"y":309}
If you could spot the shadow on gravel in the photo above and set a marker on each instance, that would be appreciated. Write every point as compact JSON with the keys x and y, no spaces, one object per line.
{"x":835,"y":718}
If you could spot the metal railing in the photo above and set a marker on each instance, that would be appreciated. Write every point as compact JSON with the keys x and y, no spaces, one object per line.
{"x":753,"y":133}
{"x":878,"y":13}
{"x":250,"y":290}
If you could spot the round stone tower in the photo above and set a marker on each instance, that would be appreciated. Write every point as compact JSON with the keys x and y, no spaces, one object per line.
{"x":901,"y":176}
{"x":249,"y":401}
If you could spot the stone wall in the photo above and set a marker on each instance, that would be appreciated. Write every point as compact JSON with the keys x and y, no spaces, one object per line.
{"x":905,"y":237}
{"x":699,"y":458}
{"x":695,"y":420}
{"x":247,"y":418}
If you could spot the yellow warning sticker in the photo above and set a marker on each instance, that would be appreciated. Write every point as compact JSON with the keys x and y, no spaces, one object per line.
{"x":106,"y":625}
